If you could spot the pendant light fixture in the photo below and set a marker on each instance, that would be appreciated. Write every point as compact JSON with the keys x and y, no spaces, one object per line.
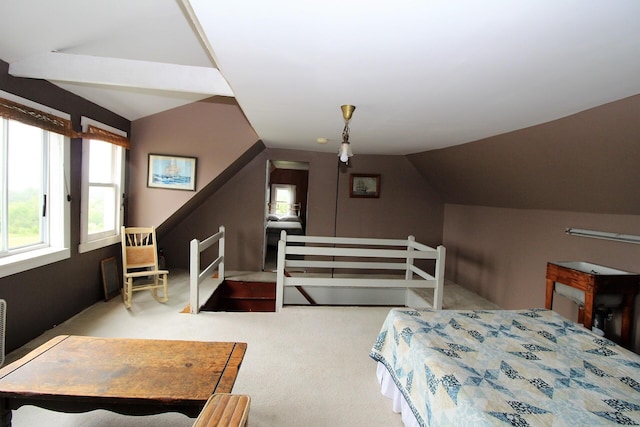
{"x":345,"y":148}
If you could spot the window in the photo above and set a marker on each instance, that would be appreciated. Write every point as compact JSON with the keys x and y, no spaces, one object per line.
{"x":34,"y":209}
{"x":102,"y":207}
{"x":283,"y":199}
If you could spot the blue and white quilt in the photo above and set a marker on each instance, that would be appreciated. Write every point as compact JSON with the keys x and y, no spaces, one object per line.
{"x":507,"y":367}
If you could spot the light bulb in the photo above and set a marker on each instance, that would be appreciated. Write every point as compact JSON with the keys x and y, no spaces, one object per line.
{"x":345,"y":152}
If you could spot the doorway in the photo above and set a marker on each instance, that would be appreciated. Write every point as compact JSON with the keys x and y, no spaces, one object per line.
{"x":286,"y":205}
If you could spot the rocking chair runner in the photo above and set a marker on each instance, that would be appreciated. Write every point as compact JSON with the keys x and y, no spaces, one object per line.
{"x":140,"y":264}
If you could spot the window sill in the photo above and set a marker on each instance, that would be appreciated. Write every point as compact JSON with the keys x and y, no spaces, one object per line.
{"x":19,"y":263}
{"x":97,"y":244}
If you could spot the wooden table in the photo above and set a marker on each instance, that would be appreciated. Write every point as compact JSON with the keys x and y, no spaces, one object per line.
{"x":128,"y":376}
{"x":592,"y":283}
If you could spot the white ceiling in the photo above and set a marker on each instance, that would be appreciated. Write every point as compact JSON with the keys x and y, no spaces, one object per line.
{"x":423,"y":74}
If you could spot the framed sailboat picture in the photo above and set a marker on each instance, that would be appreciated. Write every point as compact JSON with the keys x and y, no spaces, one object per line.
{"x":172,"y":172}
{"x":364,"y":185}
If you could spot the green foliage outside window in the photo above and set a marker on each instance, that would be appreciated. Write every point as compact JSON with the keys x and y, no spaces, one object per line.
{"x":24,"y":217}
{"x":96,"y":216}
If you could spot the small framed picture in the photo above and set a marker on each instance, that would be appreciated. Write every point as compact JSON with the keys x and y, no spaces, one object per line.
{"x":172,"y":172}
{"x":364,"y":185}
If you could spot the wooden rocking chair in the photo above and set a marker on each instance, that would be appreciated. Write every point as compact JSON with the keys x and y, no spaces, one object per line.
{"x":140,"y":264}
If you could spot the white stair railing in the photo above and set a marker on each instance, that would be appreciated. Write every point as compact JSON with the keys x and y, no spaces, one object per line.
{"x":359,"y":254}
{"x":195,"y":275}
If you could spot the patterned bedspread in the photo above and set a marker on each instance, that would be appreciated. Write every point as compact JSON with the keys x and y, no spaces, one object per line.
{"x":520,"y":368}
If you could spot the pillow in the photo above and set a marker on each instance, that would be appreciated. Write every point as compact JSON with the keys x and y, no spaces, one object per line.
{"x":273,"y":217}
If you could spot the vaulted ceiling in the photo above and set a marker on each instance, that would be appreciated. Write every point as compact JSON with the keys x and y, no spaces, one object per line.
{"x":423,"y":74}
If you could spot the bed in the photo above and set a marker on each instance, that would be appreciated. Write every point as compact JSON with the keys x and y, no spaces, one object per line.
{"x":503,"y":367}
{"x":292,"y":224}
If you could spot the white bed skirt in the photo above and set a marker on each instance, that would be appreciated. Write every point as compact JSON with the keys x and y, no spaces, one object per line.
{"x":389,"y":389}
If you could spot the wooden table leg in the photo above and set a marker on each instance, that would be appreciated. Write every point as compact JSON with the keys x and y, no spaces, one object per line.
{"x":588,"y":309}
{"x":5,"y":413}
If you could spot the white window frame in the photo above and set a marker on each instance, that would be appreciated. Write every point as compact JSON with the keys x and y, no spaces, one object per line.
{"x":289,"y":188}
{"x":59,"y":211}
{"x":89,"y":242}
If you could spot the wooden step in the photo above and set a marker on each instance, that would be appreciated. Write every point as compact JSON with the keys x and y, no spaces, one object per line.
{"x":250,"y":290}
{"x":236,"y":295}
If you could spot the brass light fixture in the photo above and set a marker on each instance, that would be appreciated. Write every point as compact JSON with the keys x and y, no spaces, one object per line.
{"x":345,"y":148}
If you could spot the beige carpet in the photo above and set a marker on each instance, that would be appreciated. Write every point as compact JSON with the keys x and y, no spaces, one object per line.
{"x":304,"y":366}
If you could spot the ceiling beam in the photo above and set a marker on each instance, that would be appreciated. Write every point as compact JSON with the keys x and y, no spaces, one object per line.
{"x":64,"y":67}
{"x":197,"y":28}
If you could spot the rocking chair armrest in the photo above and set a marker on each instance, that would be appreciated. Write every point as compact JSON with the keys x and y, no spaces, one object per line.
{"x":147,"y":273}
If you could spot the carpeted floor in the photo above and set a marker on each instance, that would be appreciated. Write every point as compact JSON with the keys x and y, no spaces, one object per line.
{"x":304,"y":366}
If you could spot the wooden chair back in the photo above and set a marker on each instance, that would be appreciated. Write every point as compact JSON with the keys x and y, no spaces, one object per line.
{"x":139,"y":248}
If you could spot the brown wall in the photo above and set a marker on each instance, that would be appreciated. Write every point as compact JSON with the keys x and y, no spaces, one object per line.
{"x":214,"y":131}
{"x":502,"y":253}
{"x":43,"y":297}
{"x":407,"y":205}
{"x":239,"y":206}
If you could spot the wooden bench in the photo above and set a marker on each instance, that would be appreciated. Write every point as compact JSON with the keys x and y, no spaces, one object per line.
{"x":224,"y":410}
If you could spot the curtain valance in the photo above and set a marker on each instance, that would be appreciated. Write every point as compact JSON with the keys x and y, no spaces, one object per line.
{"x":31,"y":116}
{"x":94,"y":132}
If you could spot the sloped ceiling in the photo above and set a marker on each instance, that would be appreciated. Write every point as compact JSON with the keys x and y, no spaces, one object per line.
{"x":586,"y":162}
{"x":423,"y":74}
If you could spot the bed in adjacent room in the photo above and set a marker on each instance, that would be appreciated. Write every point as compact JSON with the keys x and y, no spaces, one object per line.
{"x":504,"y":367}
{"x":292,"y":224}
